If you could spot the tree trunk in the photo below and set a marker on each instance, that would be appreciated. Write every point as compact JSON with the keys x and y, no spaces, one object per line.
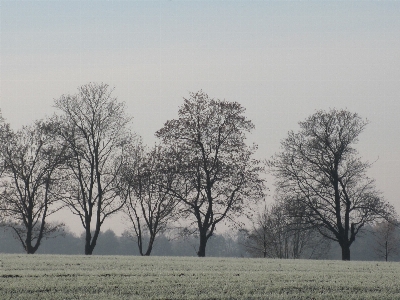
{"x":29,"y":249}
{"x":202,"y":246}
{"x":88,"y":246}
{"x":91,"y":241}
{"x":148,"y":252}
{"x":140,"y":244}
{"x":345,"y":252}
{"x":28,"y":241}
{"x":386,"y":251}
{"x":150,"y":246}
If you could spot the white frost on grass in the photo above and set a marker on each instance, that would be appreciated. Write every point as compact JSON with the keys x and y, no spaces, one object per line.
{"x":132,"y":277}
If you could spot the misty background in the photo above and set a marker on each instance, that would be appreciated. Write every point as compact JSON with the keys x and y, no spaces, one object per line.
{"x":230,"y":244}
{"x":281,"y":60}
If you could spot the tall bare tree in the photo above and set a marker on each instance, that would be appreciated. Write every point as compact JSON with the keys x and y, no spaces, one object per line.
{"x":93,"y":126}
{"x":320,"y":171}
{"x":31,"y":183}
{"x":217,"y":176}
{"x":387,"y":239}
{"x":146,"y":179}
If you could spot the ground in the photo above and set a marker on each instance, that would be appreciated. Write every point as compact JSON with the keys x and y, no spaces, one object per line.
{"x":131,"y":277}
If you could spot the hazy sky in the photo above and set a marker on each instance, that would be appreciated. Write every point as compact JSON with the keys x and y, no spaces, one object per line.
{"x":282,"y":60}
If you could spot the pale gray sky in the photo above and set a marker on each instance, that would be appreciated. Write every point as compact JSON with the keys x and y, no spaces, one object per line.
{"x":282,"y":60}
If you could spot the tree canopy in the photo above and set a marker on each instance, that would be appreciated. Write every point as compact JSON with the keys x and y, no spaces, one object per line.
{"x":320,"y":171}
{"x":31,"y":183}
{"x":93,"y":126}
{"x":218,"y":176}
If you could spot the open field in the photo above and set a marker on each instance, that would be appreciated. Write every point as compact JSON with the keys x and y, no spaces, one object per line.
{"x":127,"y":277}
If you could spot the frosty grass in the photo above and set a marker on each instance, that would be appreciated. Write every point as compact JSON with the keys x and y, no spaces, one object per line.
{"x":131,"y":277}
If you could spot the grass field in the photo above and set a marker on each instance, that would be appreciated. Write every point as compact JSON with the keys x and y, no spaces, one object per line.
{"x":126,"y":277}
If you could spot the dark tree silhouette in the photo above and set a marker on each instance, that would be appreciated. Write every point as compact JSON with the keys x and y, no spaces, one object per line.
{"x":217,"y":176}
{"x":93,"y":127}
{"x":146,"y":179}
{"x":319,"y":171}
{"x":31,"y":183}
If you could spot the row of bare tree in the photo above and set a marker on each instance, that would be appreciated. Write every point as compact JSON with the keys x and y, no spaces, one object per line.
{"x":86,"y":158}
{"x":368,"y":246}
{"x":200,"y":174}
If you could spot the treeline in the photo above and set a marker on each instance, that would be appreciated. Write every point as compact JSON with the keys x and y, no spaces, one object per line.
{"x":111,"y":244}
{"x":87,"y":158}
{"x":199,"y":175}
{"x":224,"y":245}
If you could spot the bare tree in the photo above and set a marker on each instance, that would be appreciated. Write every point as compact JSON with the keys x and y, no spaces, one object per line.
{"x":275,"y":234}
{"x":257,"y":241}
{"x":305,"y":239}
{"x":387,"y":239}
{"x":30,"y":185}
{"x":217,"y":176}
{"x":319,"y":170}
{"x":146,"y":179}
{"x":93,"y":126}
